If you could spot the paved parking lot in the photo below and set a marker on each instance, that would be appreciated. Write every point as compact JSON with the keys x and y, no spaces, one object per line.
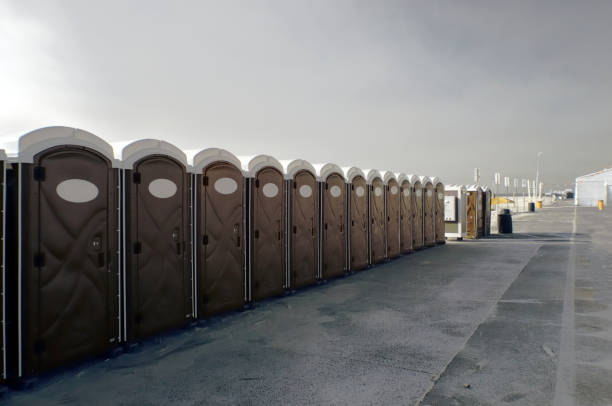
{"x":522,"y":320}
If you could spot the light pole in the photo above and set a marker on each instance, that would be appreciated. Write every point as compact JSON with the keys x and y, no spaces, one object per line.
{"x":538,"y":171}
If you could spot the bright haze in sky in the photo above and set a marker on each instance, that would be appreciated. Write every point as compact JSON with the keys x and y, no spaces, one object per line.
{"x":433,"y":88}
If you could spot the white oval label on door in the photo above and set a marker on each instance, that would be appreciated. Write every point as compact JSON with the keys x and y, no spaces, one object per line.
{"x":418,"y":193}
{"x":162,"y":188}
{"x":378,"y":191}
{"x":226,"y":186}
{"x":393,"y":190}
{"x":335,"y":191}
{"x":406,"y":192}
{"x":270,"y":190}
{"x":305,"y":191}
{"x":440,"y":196}
{"x":77,"y":190}
{"x":429,"y":193}
{"x":360,"y":191}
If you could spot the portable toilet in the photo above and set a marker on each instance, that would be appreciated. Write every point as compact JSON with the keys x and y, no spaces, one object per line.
{"x":481,"y":211}
{"x":220,"y":238}
{"x":358,"y":245}
{"x":473,"y":202}
{"x":487,"y":209}
{"x":303,"y":223}
{"x":333,"y":220}
{"x":267,"y":200}
{"x":455,"y":211}
{"x":64,"y":201}
{"x":392,"y":210}
{"x":3,"y":278}
{"x":439,"y":211}
{"x":429,"y":238}
{"x":406,"y":215}
{"x":377,"y":221}
{"x":155,"y":238}
{"x":417,"y":212}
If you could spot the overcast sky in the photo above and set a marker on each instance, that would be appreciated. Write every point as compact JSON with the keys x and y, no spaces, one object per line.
{"x":434,"y":88}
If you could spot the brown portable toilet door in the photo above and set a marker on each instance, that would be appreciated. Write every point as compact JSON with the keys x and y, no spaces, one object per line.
{"x":359,"y":224}
{"x":334,"y":236}
{"x":304,"y":264}
{"x":377,"y":208}
{"x":268,"y":277}
{"x":69,"y":300}
{"x":393,"y":219}
{"x":471,"y":215}
{"x":439,"y":218}
{"x":159,"y":284}
{"x":222,"y":280}
{"x":428,"y":215}
{"x":406,"y":217}
{"x":417,"y":216}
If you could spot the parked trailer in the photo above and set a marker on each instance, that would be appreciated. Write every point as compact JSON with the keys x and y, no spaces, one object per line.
{"x":455,"y":212}
{"x":376,"y":200}
{"x":219,"y":232}
{"x":358,"y":209}
{"x":392,"y":214}
{"x":267,"y":211}
{"x":333,"y":194}
{"x":65,"y":249}
{"x":303,"y":224}
{"x":439,"y":211}
{"x":406,"y":216}
{"x":417,"y":213}
{"x":155,"y":220}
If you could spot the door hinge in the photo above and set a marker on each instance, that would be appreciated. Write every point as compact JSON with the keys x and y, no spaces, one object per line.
{"x":136,"y":177}
{"x":39,"y":260}
{"x":137,"y":247}
{"x":39,"y":173}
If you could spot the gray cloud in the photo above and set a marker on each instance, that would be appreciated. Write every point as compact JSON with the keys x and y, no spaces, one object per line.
{"x":427,"y":87}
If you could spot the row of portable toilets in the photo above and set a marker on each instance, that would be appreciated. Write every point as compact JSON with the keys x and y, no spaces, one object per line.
{"x":467,"y":211}
{"x":99,"y":250}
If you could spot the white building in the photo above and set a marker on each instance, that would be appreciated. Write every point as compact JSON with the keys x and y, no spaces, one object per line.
{"x":593,"y":187}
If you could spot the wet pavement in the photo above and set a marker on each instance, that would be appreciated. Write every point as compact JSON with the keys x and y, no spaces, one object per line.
{"x":522,"y":319}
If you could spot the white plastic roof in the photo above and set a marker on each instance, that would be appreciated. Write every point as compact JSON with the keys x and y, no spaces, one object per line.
{"x":324,"y":170}
{"x":473,"y":188}
{"x":253,"y":164}
{"x":434,"y":180}
{"x":39,"y":140}
{"x":350,"y":173}
{"x":205,"y":157}
{"x":455,"y":187}
{"x":413,"y":179}
{"x":424,"y":180}
{"x":371,"y":175}
{"x":291,"y":167}
{"x":388,"y":176}
{"x":137,"y":150}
